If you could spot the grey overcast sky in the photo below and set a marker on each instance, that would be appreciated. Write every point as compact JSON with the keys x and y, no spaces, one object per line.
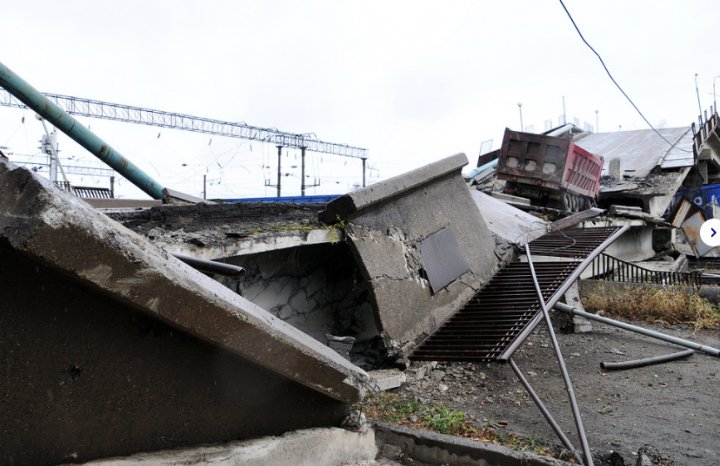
{"x":412,"y":81}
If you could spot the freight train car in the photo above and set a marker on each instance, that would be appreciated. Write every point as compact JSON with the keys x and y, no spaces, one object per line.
{"x":550,"y":171}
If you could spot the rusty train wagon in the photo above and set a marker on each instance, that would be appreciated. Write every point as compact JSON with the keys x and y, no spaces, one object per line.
{"x":550,"y":171}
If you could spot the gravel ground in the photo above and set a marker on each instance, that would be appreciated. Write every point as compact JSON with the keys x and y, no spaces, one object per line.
{"x":670,"y":409}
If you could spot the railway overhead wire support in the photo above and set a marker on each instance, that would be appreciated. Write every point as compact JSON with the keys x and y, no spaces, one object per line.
{"x":159,"y":118}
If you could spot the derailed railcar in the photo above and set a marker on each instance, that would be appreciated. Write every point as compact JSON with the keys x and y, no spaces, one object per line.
{"x":550,"y":171}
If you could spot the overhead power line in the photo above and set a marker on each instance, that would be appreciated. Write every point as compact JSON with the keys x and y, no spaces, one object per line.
{"x":602,"y":62}
{"x":151,"y":117}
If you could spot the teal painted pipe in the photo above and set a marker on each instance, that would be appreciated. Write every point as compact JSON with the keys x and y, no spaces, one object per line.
{"x":46,"y":108}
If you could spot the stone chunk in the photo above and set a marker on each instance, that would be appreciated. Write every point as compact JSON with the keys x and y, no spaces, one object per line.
{"x":341,"y":345}
{"x":387,"y":379}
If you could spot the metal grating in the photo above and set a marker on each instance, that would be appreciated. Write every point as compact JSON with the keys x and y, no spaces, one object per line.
{"x":575,"y":243}
{"x":89,"y":192}
{"x":496,"y":316}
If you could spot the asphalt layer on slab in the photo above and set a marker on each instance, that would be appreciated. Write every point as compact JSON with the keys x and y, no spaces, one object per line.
{"x":671,"y":409}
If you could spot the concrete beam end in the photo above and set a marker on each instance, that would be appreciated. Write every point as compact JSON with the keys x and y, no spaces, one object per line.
{"x":351,"y":204}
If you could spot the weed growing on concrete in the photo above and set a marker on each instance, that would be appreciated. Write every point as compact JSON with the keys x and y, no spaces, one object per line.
{"x":335,"y":229}
{"x":671,"y":305}
{"x":390,"y":408}
{"x":444,"y":420}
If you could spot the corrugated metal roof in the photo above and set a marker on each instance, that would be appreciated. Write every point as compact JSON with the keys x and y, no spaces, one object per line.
{"x":642,"y":150}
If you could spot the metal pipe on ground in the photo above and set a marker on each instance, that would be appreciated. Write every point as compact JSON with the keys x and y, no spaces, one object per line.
{"x":618,"y":366}
{"x":46,"y":108}
{"x":634,"y":328}
{"x":206,"y":265}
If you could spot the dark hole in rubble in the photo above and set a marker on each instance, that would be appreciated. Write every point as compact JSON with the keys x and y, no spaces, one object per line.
{"x":319,"y":290}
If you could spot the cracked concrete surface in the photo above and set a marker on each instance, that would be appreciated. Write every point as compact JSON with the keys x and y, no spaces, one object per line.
{"x":112,"y":290}
{"x":386,"y":221}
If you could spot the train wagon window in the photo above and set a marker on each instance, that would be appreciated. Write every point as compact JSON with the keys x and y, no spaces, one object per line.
{"x":512,"y":162}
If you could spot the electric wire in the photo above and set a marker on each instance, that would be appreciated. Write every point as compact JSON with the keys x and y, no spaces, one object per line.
{"x":602,"y":62}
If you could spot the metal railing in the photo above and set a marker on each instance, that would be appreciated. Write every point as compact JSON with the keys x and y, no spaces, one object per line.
{"x":610,"y":268}
{"x":704,"y":129}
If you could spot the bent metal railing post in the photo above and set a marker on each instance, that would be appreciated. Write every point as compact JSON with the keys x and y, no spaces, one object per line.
{"x":561,"y":362}
{"x":546,"y":414}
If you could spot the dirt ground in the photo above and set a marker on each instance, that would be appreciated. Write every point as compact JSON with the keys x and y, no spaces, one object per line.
{"x":673,"y":408}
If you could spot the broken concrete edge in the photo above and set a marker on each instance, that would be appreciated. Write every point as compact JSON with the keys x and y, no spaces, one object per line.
{"x":426,"y":447}
{"x":68,"y":235}
{"x":348,"y":205}
{"x":331,"y":446}
{"x":262,"y":242}
{"x":335,"y":446}
{"x":172,"y":196}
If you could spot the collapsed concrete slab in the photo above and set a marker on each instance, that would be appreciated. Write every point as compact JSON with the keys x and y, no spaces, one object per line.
{"x":112,"y":346}
{"x":507,"y":222}
{"x":228,"y":230}
{"x":310,"y":447}
{"x":422,"y":245}
{"x":297,"y":268}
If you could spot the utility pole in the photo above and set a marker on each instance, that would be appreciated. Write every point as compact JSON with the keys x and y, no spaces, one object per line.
{"x":715,"y":95}
{"x":279,"y":175}
{"x":522,"y":128}
{"x":50,"y":147}
{"x":302,"y":171}
{"x":364,"y":162}
{"x":597,"y":122}
{"x":697,"y":91}
{"x":564,"y":114}
{"x":204,"y":186}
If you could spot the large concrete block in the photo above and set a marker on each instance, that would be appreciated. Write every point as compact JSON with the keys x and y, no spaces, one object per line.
{"x":85,"y":376}
{"x":386,"y":222}
{"x":88,"y":372}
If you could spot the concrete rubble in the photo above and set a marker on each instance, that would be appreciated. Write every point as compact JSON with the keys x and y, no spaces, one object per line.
{"x":99,"y":324}
{"x":110,"y":333}
{"x":276,"y":327}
